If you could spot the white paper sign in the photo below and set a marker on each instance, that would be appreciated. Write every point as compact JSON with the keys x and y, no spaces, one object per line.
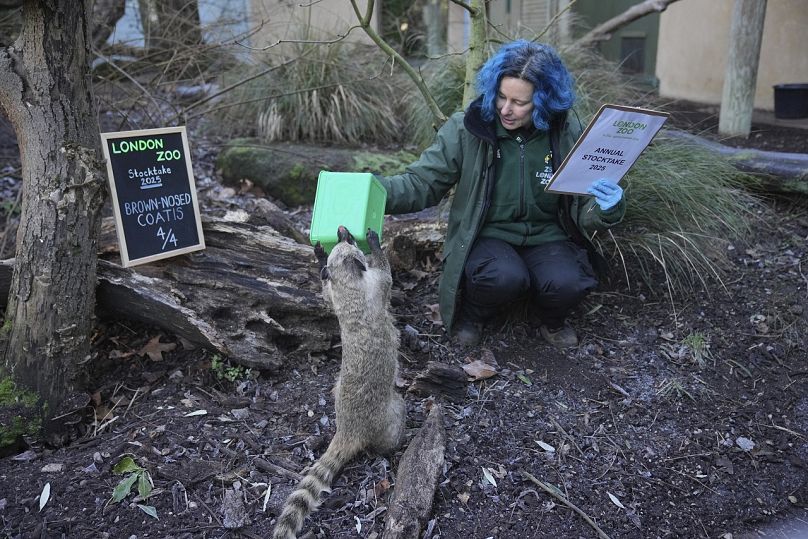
{"x":607,"y":149}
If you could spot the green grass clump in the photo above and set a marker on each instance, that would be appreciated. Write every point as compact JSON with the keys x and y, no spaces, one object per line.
{"x":686,"y":207}
{"x":331,"y":94}
{"x":311,"y":93}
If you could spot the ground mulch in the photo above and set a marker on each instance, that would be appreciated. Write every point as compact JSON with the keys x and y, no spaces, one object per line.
{"x":675,"y":417}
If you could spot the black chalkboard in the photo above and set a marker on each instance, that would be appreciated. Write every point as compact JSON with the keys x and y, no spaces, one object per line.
{"x":153,"y":194}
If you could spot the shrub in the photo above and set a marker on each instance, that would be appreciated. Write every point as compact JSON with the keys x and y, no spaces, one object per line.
{"x":331,"y":94}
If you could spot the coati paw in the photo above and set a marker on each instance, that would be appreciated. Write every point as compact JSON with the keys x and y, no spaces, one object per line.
{"x":319,"y":252}
{"x":373,"y":240}
{"x":322,"y":260}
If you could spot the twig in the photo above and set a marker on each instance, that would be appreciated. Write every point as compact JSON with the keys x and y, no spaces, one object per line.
{"x":619,"y":390}
{"x":560,"y":497}
{"x":266,"y":466}
{"x":570,"y":438}
{"x":554,"y":19}
{"x":212,"y":513}
{"x":778,"y":427}
{"x":697,"y":481}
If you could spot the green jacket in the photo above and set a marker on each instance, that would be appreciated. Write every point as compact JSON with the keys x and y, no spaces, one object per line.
{"x":462,"y":156}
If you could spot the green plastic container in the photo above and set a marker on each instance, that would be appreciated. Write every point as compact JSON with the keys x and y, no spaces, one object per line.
{"x":354,"y":200}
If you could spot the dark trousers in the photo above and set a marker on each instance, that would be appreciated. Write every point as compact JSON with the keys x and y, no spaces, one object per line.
{"x":555,"y":277}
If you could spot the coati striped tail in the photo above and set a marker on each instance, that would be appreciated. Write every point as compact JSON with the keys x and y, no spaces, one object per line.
{"x":306,"y":497}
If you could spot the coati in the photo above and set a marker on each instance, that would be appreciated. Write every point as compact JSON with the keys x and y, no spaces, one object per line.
{"x":370,"y":414}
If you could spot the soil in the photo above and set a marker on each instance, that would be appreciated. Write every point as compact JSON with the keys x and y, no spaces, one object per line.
{"x":673,"y":418}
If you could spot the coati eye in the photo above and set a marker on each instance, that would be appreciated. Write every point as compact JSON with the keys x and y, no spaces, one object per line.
{"x":324,"y":273}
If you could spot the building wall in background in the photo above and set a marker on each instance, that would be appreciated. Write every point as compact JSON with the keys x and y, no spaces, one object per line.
{"x":633,"y":47}
{"x":694,"y":42}
{"x":221,"y":20}
{"x":327,"y":19}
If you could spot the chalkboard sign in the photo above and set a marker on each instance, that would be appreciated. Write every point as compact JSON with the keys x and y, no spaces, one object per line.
{"x":153,"y":194}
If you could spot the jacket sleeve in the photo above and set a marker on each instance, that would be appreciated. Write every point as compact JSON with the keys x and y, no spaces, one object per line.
{"x":592,"y":219}
{"x":425,"y":182}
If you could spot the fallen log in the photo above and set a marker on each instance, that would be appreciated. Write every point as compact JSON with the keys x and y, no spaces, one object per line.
{"x":252,"y":295}
{"x":417,"y":479}
{"x":777,"y":172}
{"x":441,"y":380}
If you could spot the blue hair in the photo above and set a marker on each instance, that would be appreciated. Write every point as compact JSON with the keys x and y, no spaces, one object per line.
{"x":536,"y":63}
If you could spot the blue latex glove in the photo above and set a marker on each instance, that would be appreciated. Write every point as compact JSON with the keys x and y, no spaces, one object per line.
{"x":606,"y":193}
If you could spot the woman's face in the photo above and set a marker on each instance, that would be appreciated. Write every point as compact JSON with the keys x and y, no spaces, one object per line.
{"x":515,"y":102}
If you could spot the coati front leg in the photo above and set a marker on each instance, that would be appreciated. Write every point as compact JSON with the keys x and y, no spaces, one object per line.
{"x":377,"y":258}
{"x":322,"y":260}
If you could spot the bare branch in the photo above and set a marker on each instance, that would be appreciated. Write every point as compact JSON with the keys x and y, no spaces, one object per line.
{"x":472,"y":11}
{"x":339,"y":38}
{"x":110,"y":62}
{"x":364,"y":21}
{"x":554,"y":19}
{"x":604,"y":30}
{"x":241,"y":82}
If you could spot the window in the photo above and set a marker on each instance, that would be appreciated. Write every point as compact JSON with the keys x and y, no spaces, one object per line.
{"x":632,"y":54}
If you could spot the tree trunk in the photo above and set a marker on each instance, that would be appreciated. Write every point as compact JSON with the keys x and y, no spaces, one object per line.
{"x":106,"y":14}
{"x":738,"y":98}
{"x":435,"y":21}
{"x":170,"y":24}
{"x":478,"y":43}
{"x":44,"y":91}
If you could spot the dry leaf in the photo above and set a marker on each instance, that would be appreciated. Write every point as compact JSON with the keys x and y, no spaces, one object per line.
{"x":266,"y":497}
{"x":489,"y":477}
{"x":615,"y":500}
{"x":479,"y":370}
{"x":547,"y":447}
{"x":488,"y":356}
{"x":381,"y":487}
{"x":154,"y":349}
{"x":434,"y":314}
{"x":45,"y":496}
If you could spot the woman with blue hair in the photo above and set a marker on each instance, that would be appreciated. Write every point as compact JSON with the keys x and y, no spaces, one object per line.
{"x":508,"y":238}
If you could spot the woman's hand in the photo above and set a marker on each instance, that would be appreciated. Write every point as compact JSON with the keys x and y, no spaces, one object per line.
{"x":606,"y":193}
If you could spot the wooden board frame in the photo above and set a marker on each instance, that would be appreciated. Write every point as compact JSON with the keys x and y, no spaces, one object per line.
{"x":126,"y":261}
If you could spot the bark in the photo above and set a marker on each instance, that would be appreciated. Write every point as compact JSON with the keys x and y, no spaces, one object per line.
{"x":170,"y":24}
{"x":421,"y":466}
{"x":441,"y":380}
{"x":738,"y":98}
{"x":252,"y":296}
{"x":603,"y":31}
{"x":435,"y":22}
{"x":44,"y":91}
{"x":478,"y":42}
{"x":106,"y":14}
